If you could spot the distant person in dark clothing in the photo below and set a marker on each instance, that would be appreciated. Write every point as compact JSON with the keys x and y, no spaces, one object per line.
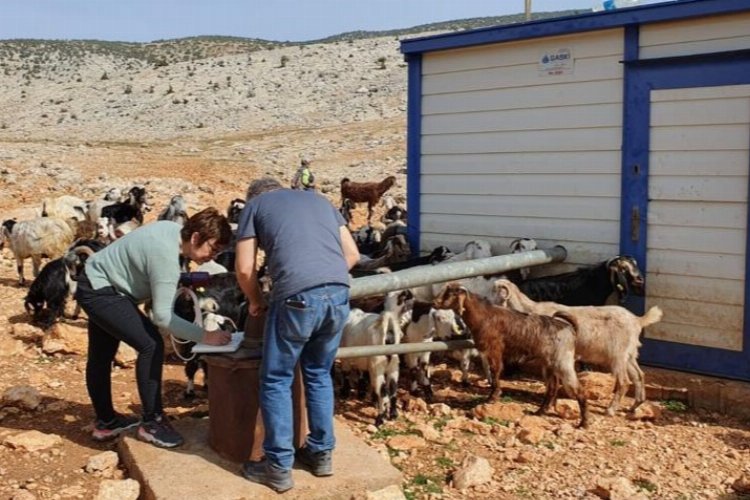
{"x":309,"y":252}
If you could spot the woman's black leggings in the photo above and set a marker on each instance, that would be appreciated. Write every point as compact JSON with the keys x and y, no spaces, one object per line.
{"x":113,"y":318}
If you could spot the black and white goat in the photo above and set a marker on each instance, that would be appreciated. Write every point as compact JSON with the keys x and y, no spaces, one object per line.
{"x":218,"y":294}
{"x":121,"y":212}
{"x":233,"y":212}
{"x":56,"y":282}
{"x":363,"y":329}
{"x":588,"y":286}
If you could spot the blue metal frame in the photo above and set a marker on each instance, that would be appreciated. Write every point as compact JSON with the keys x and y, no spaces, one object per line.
{"x":414,"y":151}
{"x":669,"y":11}
{"x":633,"y":174}
{"x":641,"y":77}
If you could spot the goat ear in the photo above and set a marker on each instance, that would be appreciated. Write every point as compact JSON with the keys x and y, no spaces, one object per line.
{"x":503,"y":291}
{"x":514,"y":243}
{"x":461,"y":302}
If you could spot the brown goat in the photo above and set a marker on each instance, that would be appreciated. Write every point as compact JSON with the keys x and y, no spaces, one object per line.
{"x":365,"y":192}
{"x":607,"y":337}
{"x":500,"y":333}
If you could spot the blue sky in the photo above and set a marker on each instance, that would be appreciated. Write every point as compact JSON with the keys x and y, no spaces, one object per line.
{"x":281,"y":20}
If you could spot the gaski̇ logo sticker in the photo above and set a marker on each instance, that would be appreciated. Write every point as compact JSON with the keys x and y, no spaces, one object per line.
{"x":556,"y":62}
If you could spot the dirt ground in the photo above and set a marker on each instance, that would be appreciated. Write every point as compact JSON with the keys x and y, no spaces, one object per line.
{"x":671,"y":452}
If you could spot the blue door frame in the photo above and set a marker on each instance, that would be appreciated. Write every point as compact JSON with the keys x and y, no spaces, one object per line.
{"x":705,"y":70}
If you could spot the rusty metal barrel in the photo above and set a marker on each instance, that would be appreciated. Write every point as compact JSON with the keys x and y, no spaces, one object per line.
{"x":236,"y":426}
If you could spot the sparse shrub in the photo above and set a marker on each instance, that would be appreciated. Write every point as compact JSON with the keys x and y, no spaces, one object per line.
{"x":170,"y":90}
{"x":283,"y":61}
{"x":104,"y":76}
{"x":150,"y":89}
{"x":675,"y":406}
{"x":381,"y":62}
{"x":250,"y":93}
{"x":645,"y":484}
{"x":128,"y":89}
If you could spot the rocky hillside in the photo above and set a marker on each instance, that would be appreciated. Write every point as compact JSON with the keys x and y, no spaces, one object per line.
{"x":109,"y":96}
{"x":204,"y":86}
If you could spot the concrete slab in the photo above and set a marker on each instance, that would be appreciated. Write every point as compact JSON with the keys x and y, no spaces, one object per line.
{"x":195,"y":471}
{"x":728,"y":397}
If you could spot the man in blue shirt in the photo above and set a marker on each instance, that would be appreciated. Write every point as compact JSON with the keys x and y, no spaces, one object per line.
{"x":309,"y":251}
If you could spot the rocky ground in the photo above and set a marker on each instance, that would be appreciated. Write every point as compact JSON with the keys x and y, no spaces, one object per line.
{"x":247,"y":116}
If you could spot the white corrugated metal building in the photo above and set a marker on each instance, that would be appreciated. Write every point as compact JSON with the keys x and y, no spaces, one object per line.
{"x":619,"y":132}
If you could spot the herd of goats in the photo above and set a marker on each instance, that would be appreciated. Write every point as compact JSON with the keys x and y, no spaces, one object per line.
{"x":545,"y":325}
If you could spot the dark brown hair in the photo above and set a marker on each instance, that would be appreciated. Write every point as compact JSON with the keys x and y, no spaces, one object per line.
{"x":208,"y":223}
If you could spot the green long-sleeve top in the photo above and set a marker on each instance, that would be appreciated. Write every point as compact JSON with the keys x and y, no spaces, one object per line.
{"x":142,"y":265}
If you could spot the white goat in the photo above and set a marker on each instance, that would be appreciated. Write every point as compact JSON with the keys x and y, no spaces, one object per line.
{"x":476,"y":249}
{"x":608,"y":336}
{"x":421,"y":328}
{"x":35,"y":238}
{"x":362,"y":329}
{"x":520,"y":245}
{"x":65,"y":207}
{"x":446,"y":327}
{"x":176,"y":211}
{"x":378,"y":329}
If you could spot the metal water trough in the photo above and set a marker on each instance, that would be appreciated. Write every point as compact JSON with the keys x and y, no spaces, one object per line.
{"x":425,"y":275}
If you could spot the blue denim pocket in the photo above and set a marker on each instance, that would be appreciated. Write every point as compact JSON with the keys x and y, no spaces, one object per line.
{"x":340,"y":308}
{"x":296,"y":319}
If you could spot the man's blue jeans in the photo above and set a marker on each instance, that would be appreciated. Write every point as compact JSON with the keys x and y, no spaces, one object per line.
{"x":305,"y":327}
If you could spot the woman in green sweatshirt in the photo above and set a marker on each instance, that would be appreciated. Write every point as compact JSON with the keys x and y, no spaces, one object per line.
{"x":143,"y":265}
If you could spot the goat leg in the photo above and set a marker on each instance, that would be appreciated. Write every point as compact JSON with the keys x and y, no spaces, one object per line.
{"x":345,"y":386}
{"x":572,"y":386}
{"x":414,"y":379}
{"x":191,"y":368}
{"x":36,"y":262}
{"x":496,"y":364}
{"x":19,"y":268}
{"x":393,"y":409}
{"x":549,"y":394}
{"x":621,"y":386}
{"x":465,"y":364}
{"x":637,"y":378}
{"x":362,"y":386}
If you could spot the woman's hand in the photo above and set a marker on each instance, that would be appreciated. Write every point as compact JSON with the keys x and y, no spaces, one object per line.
{"x":216,"y":337}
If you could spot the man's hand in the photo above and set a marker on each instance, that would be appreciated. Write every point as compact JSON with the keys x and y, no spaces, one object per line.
{"x":255,"y":308}
{"x":216,"y":337}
